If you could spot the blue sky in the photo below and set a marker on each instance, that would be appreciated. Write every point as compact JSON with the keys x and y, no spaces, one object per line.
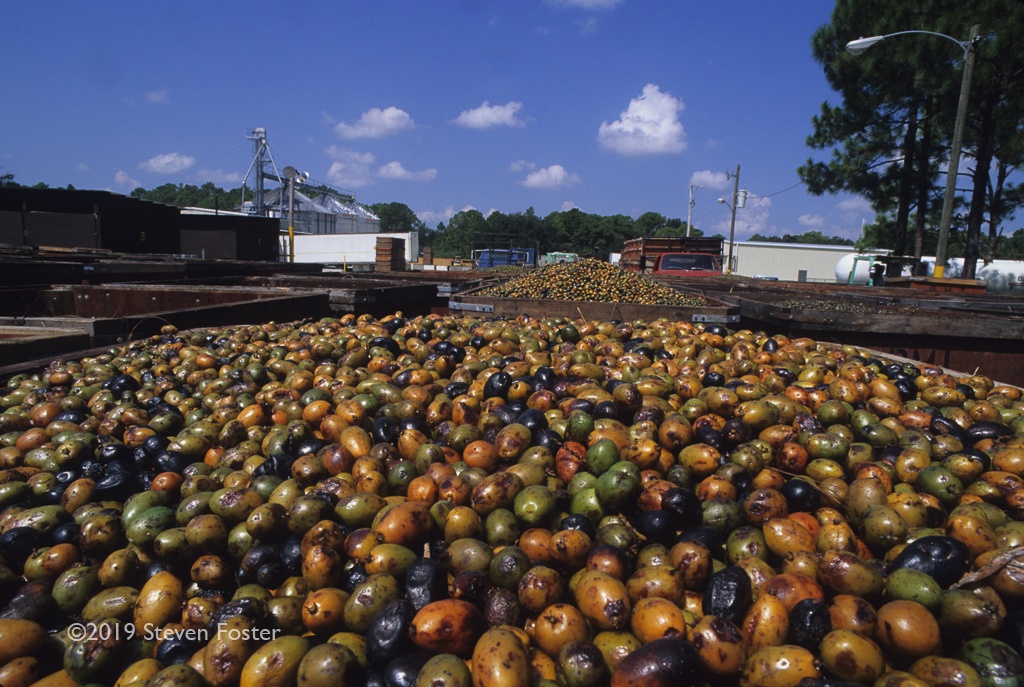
{"x":611,"y":106}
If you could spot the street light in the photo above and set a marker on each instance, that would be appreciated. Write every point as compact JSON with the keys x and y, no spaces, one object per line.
{"x":858,"y":47}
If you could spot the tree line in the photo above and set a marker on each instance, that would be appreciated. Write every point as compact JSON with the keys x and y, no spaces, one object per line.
{"x":572,"y":230}
{"x":815,"y":237}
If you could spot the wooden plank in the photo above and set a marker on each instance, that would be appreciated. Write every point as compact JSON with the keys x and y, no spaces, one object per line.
{"x":21,"y":343}
{"x":915,"y":323}
{"x":889,"y":320}
{"x":948,"y":285}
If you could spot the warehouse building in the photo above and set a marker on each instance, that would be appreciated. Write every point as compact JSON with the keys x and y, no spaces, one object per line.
{"x":788,"y":261}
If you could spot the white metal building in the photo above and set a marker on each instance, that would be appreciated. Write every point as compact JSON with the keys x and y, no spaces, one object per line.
{"x":787,"y":261}
{"x":350,"y":249}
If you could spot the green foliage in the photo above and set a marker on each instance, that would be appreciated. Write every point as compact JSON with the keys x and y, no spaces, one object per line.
{"x":7,"y":181}
{"x":395,"y":217}
{"x":677,"y":230}
{"x":572,"y":231}
{"x":811,"y":237}
{"x":457,"y":239}
{"x":654,"y":224}
{"x":649,"y":222}
{"x":399,"y":218}
{"x":1011,"y":247}
{"x":209,"y":195}
{"x":588,"y":235}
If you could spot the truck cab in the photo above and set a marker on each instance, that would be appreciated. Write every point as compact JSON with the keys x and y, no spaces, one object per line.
{"x":688,"y":265}
{"x":697,"y":256}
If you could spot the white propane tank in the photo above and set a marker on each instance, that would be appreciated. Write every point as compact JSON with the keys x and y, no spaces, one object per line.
{"x":863,"y":273}
{"x":1001,"y":276}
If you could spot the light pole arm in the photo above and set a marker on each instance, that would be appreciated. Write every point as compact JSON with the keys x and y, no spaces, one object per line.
{"x":861,"y":44}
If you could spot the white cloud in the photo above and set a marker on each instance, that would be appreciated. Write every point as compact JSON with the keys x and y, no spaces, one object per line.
{"x":122,"y":180}
{"x":588,"y":25}
{"x":649,"y":126}
{"x":432,"y":217}
{"x":157,"y":97}
{"x":854,"y":212}
{"x":350,"y":169}
{"x":170,"y":163}
{"x":395,"y":170}
{"x":488,"y":115}
{"x":586,"y":4}
{"x":709,"y":179}
{"x":82,"y":167}
{"x":522,"y":165}
{"x":846,"y":232}
{"x":376,"y":123}
{"x":569,"y":205}
{"x":218,"y":176}
{"x":554,"y":176}
{"x":854,"y":204}
{"x":811,"y":221}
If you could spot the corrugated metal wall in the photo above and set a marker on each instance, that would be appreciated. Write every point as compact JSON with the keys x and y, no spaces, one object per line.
{"x":786,"y":260}
{"x":324,"y":224}
{"x":63,"y":229}
{"x":345,"y":248}
{"x":99,"y":219}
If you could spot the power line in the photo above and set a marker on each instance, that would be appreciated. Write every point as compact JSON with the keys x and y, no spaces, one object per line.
{"x":769,"y":195}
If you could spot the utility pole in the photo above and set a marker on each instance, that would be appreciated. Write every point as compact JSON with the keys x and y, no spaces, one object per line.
{"x":954,"y":160}
{"x":732,"y":222}
{"x":689,"y":209}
